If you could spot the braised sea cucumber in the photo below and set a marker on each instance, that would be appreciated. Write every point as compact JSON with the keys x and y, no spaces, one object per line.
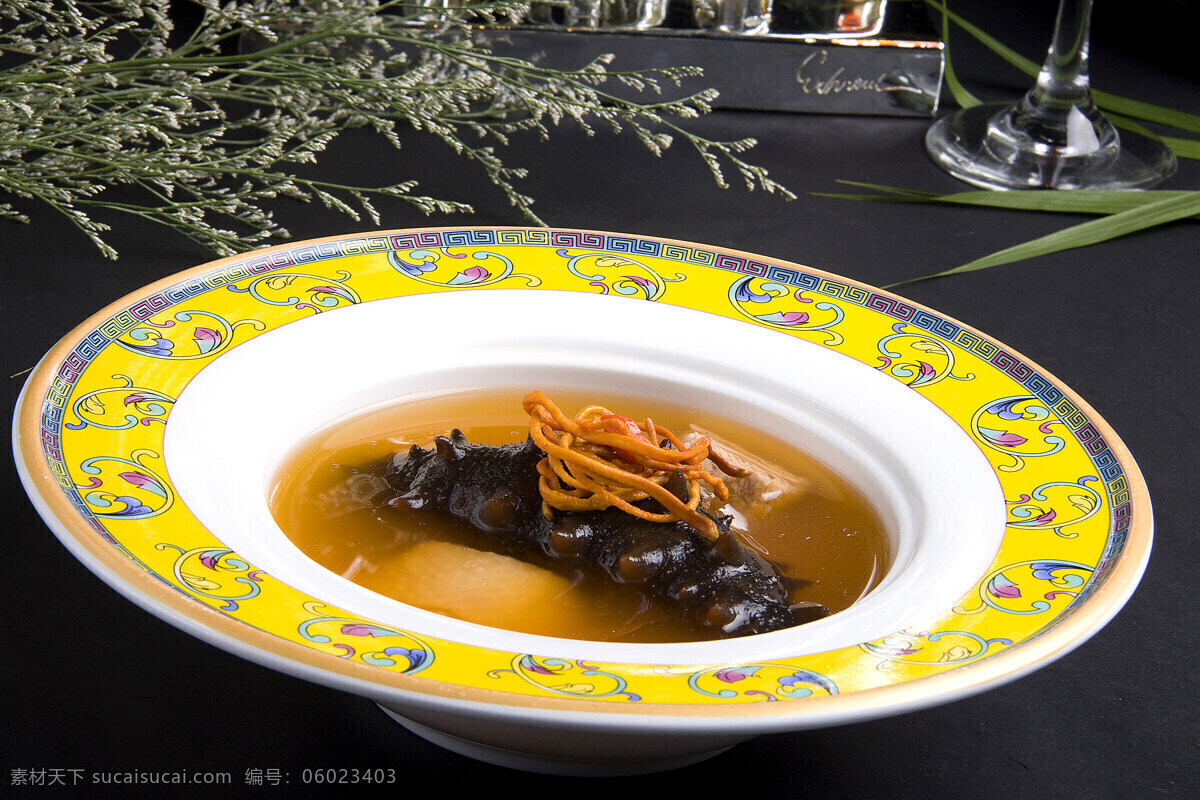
{"x":720,"y":584}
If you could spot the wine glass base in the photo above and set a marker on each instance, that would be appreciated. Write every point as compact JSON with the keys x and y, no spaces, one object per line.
{"x":965,"y":144}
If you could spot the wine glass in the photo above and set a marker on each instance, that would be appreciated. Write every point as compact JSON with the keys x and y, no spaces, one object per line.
{"x":1053,"y":138}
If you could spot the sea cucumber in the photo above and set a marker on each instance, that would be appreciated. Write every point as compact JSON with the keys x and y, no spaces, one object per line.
{"x":721,"y":585}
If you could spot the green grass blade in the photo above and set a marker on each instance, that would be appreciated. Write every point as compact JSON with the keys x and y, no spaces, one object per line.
{"x":990,"y":42}
{"x":1147,"y":111}
{"x":873,"y":198}
{"x":1075,"y":201}
{"x":959,"y":92}
{"x":915,"y":194}
{"x":1184,"y":148}
{"x":1084,"y":234}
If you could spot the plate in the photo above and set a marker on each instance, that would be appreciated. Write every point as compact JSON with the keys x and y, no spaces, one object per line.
{"x":90,"y":428}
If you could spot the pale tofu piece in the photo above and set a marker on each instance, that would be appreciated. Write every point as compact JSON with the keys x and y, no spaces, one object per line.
{"x":473,"y":585}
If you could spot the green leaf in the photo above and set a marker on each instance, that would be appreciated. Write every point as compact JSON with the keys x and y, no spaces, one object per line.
{"x":915,"y":194}
{"x":992,"y":43}
{"x":959,"y":92}
{"x":1147,"y":111}
{"x":1088,"y":233}
{"x":1075,"y":201}
{"x":1184,"y":148}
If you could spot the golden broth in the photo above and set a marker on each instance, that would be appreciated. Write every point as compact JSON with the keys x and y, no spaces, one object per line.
{"x":827,"y":538}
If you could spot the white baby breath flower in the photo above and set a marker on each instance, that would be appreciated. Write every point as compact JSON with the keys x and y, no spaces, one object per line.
{"x":205,"y":125}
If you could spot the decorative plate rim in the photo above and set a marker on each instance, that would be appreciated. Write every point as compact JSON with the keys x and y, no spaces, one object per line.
{"x":43,"y":405}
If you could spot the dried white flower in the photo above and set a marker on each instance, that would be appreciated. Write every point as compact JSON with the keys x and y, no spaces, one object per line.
{"x":205,"y":125}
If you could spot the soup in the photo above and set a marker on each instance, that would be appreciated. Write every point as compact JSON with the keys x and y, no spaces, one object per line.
{"x":818,"y":531}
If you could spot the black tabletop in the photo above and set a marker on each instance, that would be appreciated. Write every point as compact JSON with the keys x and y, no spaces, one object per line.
{"x":97,"y":685}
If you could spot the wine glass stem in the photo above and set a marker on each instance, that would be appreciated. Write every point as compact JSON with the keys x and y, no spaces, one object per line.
{"x":1058,"y":117}
{"x":1064,"y":76}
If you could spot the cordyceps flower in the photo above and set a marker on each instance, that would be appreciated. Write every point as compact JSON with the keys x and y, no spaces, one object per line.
{"x":598,"y":460}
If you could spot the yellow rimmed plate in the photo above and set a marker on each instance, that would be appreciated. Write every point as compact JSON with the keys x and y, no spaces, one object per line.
{"x":88,"y":439}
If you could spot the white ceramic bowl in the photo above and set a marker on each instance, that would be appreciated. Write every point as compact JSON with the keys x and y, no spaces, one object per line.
{"x":194,"y":542}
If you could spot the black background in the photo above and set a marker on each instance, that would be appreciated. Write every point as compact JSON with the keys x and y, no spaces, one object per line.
{"x":94,"y":683}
